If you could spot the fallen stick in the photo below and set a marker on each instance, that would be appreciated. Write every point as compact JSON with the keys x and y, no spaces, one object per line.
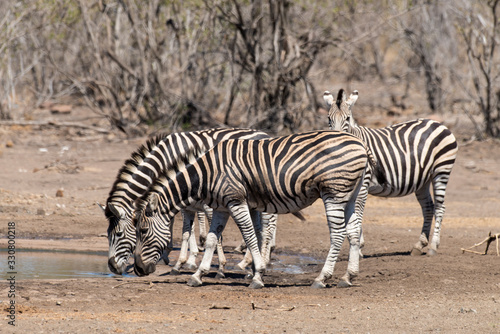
{"x":488,"y":241}
{"x":56,"y":124}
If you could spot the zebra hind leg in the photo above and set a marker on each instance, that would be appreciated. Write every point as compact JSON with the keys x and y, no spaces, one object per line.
{"x":222,"y":259}
{"x":353,"y":235}
{"x":427,"y":204}
{"x":439,"y":185}
{"x":336,"y":218}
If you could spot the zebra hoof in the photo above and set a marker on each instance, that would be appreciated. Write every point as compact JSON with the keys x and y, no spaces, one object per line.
{"x":220,"y":275}
{"x":256,"y":285}
{"x":432,"y":252}
{"x":416,"y":252}
{"x":318,"y":285}
{"x":194,"y":281}
{"x":175,"y":272}
{"x":190,"y":266}
{"x":344,"y":284}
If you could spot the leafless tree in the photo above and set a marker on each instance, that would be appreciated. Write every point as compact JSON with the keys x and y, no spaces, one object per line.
{"x":480,"y":30}
{"x":430,"y":35}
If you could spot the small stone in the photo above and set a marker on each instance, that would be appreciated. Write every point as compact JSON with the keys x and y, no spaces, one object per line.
{"x":40,"y":212}
{"x":60,"y":193}
{"x":9,"y":144}
{"x":58,"y":303}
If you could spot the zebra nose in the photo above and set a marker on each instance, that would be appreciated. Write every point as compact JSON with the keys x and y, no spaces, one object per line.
{"x":142,"y":269}
{"x":114,"y":267}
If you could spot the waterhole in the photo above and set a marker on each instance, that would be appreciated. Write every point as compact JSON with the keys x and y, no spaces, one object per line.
{"x":47,"y":264}
{"x":43,"y":264}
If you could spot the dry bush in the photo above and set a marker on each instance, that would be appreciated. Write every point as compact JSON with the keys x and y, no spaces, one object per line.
{"x":196,"y":63}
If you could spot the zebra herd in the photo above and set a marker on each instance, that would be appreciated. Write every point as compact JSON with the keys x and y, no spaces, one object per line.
{"x":251,"y":177}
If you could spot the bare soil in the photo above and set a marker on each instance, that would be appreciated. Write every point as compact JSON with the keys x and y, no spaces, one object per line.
{"x":452,"y":292}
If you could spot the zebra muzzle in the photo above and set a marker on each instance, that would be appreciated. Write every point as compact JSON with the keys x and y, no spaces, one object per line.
{"x":142,"y":269}
{"x":114,"y":267}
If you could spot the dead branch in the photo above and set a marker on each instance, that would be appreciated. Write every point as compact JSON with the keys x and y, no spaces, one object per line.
{"x":488,"y":241}
{"x":56,"y":124}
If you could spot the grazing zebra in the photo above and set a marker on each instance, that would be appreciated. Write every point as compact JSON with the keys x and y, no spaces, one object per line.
{"x":134,"y":178}
{"x":239,"y":177}
{"x":413,"y":155}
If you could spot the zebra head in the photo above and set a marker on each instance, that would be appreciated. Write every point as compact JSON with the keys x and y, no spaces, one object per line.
{"x":340,"y":112}
{"x":152,"y":233}
{"x":121,"y":237}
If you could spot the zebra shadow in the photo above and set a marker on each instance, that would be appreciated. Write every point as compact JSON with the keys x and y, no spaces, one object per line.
{"x":378,"y":255}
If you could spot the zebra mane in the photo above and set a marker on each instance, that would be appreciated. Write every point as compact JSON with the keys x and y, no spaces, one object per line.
{"x":179,"y":165}
{"x":340,"y":97}
{"x":136,"y":158}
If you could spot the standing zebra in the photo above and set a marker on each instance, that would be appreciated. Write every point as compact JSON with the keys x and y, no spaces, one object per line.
{"x":237,"y":177}
{"x":136,"y":175}
{"x":413,"y":155}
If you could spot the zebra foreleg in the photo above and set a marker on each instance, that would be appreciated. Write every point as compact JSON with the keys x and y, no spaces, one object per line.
{"x":218,"y":224}
{"x":426,"y":203}
{"x":203,"y":218}
{"x":187,"y":235}
{"x":193,"y":251}
{"x":168,"y":250}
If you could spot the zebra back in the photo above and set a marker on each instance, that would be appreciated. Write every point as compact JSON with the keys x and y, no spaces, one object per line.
{"x":410,"y":154}
{"x":273,"y":175}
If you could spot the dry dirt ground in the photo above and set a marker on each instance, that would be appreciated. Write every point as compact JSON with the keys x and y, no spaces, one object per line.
{"x":395,"y":292}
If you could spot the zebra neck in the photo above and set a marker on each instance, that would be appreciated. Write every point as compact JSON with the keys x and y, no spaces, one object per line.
{"x":358,"y":131}
{"x":181,"y":192}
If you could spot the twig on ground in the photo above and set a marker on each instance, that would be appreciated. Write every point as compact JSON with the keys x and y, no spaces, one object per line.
{"x":488,"y":241}
{"x":56,"y":124}
{"x":132,"y":282}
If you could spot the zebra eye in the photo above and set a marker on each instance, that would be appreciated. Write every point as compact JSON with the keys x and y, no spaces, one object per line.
{"x":144,"y":229}
{"x":119,"y":234}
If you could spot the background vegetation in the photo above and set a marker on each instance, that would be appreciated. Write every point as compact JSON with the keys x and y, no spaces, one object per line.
{"x":167,"y":64}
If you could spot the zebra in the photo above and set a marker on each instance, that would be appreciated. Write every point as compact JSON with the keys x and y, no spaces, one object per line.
{"x":238,"y":177}
{"x":413,"y":155}
{"x":139,"y":171}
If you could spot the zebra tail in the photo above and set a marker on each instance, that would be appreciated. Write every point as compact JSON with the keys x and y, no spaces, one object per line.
{"x":299,"y":215}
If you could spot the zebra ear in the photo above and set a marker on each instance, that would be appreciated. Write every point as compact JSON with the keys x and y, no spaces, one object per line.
{"x":153,"y":202}
{"x":116,"y":210}
{"x":352,"y":99}
{"x":328,"y":98}
{"x":103,"y":208}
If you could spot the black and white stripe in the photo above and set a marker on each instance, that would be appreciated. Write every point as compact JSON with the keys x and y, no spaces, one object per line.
{"x":240,"y":177}
{"x":156,"y":155}
{"x":412,"y":155}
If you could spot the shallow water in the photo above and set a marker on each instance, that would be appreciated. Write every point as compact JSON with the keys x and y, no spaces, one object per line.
{"x":57,"y":264}
{"x":47,"y":264}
